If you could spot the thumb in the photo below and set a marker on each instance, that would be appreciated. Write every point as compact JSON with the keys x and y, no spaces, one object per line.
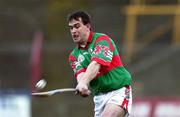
{"x":76,"y":92}
{"x":88,"y":92}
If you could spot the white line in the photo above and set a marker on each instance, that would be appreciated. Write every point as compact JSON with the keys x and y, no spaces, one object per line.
{"x":52,"y":92}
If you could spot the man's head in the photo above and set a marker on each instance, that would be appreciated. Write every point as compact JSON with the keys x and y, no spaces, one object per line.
{"x":80,"y":26}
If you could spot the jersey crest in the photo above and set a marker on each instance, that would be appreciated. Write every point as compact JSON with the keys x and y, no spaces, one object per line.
{"x":90,"y":50}
{"x":80,"y":58}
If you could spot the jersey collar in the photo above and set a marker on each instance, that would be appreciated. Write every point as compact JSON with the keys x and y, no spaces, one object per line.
{"x":88,"y":41}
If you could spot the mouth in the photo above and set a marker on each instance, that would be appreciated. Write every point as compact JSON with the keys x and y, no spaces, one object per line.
{"x":75,"y":37}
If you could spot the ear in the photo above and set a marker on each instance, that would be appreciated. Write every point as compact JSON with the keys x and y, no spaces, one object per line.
{"x":88,"y":26}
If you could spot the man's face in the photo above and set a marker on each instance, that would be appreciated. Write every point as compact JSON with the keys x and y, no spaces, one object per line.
{"x":78,"y":30}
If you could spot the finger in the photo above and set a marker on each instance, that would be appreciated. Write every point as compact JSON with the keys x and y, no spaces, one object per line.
{"x":86,"y":93}
{"x":77,"y":92}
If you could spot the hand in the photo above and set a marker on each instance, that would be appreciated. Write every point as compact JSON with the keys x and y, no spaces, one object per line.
{"x":82,"y":89}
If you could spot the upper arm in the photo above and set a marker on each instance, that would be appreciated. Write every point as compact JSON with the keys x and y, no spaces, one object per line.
{"x":103,"y":51}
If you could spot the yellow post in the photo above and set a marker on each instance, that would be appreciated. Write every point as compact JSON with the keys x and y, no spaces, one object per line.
{"x":130,"y":37}
{"x":133,"y":11}
{"x":176,"y":31}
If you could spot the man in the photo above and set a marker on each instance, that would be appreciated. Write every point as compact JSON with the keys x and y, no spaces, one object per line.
{"x":97,"y":65}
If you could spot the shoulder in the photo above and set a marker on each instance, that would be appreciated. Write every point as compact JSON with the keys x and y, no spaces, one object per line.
{"x":105,"y":40}
{"x":72,"y":55}
{"x":97,"y":34}
{"x":100,"y":36}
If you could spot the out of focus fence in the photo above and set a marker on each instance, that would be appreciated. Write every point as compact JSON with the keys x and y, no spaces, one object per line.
{"x":156,"y":107}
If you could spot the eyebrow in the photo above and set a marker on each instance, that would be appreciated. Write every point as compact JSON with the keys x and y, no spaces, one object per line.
{"x":73,"y":24}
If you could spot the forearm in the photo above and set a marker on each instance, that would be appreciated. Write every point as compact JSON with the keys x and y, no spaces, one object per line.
{"x":91,"y":72}
{"x":80,"y":76}
{"x":84,"y":78}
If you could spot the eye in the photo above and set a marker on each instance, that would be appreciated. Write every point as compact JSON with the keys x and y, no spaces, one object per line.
{"x":70,"y":27}
{"x":76,"y":26}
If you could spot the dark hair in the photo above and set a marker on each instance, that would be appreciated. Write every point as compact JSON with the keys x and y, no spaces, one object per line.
{"x":80,"y":14}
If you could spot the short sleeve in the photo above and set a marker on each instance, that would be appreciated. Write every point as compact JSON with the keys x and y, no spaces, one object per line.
{"x":75,"y":65}
{"x":103,"y":51}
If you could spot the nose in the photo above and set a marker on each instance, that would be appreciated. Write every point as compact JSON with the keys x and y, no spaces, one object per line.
{"x":73,"y":30}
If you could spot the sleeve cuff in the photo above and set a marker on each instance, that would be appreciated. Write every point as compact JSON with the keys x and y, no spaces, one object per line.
{"x":101,"y":61}
{"x":80,"y":71}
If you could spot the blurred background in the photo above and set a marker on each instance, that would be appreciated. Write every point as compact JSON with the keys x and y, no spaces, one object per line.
{"x":35,"y":44}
